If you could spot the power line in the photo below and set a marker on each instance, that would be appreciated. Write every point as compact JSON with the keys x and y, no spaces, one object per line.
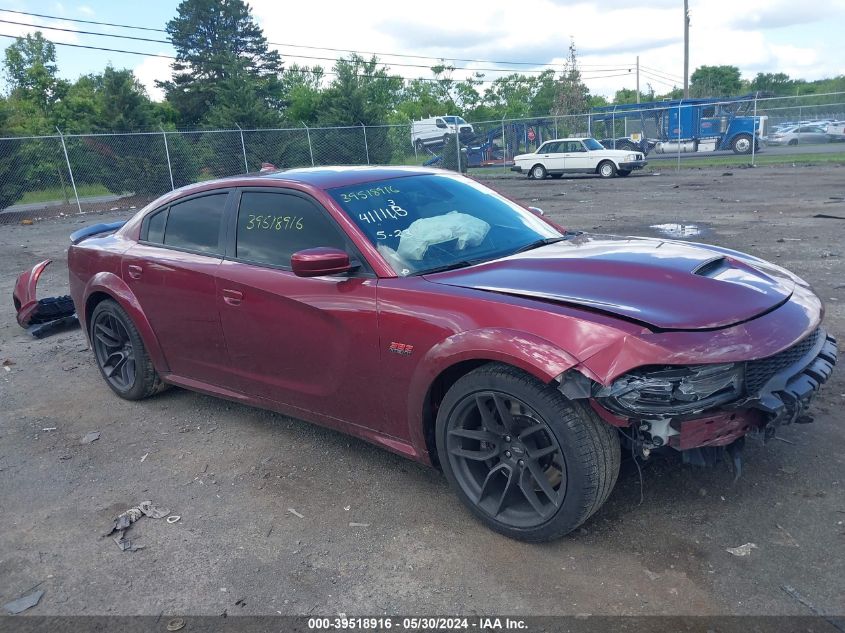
{"x":287,"y":70}
{"x":333,"y":59}
{"x":599,"y":67}
{"x":648,"y":75}
{"x":663,"y":73}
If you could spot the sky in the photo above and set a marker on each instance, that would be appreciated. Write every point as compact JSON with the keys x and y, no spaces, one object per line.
{"x":804,"y":41}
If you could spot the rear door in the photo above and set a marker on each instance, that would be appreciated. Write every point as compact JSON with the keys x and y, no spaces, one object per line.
{"x":310,"y":343}
{"x":552,"y":156}
{"x":172,"y":272}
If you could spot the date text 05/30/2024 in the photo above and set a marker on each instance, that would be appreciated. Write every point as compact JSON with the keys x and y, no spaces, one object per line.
{"x":416,"y":623}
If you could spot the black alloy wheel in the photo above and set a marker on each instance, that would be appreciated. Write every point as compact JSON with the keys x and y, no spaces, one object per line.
{"x":114,"y":351}
{"x":506,"y":459}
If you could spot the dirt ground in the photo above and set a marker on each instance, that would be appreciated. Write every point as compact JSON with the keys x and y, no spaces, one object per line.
{"x":268,"y":504}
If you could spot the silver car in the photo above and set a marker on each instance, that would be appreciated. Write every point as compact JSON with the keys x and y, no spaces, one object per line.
{"x":799,"y":134}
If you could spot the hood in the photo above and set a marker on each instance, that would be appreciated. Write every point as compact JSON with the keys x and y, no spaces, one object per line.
{"x":666,"y":285}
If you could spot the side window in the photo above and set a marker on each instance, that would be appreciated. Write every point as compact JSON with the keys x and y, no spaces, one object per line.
{"x":154,"y":231}
{"x":195,"y":224}
{"x":273,"y":226}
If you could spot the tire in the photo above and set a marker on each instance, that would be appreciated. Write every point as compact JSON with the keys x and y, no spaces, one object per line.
{"x":538,"y":172}
{"x":623,"y":172}
{"x":575,"y":454}
{"x":606,"y":169}
{"x":419,"y":145}
{"x":793,"y":142}
{"x":445,"y":139}
{"x":741,"y":144}
{"x":51,"y":309}
{"x":115,"y":338}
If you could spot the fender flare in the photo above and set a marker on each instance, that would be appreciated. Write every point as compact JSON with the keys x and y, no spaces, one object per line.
{"x":110,"y":284}
{"x":535,"y":355}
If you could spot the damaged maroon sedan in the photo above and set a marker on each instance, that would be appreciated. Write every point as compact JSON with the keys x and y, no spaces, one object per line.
{"x":423,"y":312}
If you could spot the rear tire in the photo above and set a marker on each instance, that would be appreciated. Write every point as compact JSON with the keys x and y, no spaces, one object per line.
{"x":538,"y":172}
{"x":606,"y":169}
{"x":120,"y":353}
{"x":527,"y":462}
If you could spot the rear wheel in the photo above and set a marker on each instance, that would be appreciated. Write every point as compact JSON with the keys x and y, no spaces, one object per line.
{"x":607,"y":169}
{"x":526,"y":461}
{"x":538,"y":172}
{"x":120,"y":353}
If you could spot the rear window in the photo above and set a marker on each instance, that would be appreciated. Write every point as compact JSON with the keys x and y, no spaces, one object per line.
{"x":195,"y":224}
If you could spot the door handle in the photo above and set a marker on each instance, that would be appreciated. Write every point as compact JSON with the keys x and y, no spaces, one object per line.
{"x":232,"y":297}
{"x":134,"y":271}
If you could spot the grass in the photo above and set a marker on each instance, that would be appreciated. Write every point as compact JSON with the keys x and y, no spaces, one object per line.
{"x":760,"y":160}
{"x":55,"y":194}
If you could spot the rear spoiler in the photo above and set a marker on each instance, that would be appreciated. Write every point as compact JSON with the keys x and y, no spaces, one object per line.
{"x":95,"y":229}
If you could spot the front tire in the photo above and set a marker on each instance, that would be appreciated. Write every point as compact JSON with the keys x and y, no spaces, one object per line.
{"x":741,"y":144}
{"x":526,"y":461}
{"x":606,"y":169}
{"x":120,"y":353}
{"x":538,"y":172}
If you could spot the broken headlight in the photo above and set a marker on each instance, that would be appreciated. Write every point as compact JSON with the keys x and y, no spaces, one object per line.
{"x":670,"y":391}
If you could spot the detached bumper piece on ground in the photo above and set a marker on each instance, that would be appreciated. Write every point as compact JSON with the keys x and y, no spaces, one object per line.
{"x":41,"y":317}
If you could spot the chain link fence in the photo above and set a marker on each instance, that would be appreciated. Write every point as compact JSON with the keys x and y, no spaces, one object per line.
{"x":62,"y":174}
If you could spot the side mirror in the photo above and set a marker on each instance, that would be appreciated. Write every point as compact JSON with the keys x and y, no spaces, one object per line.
{"x":536,"y":211}
{"x":316,"y":262}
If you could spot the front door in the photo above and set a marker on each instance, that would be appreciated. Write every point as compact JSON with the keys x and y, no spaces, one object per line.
{"x":310,"y":343}
{"x":577,"y":158}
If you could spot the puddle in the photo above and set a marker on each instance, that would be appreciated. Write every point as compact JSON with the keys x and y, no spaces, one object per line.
{"x":677,"y":230}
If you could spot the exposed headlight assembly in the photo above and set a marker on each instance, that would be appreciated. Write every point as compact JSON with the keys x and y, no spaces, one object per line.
{"x":651,"y":392}
{"x":631,"y":157}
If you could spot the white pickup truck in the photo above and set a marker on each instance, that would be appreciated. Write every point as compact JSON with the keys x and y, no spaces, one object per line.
{"x":585,"y":155}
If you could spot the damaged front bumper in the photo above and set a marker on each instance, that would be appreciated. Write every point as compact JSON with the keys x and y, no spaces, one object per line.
{"x":740,"y":398}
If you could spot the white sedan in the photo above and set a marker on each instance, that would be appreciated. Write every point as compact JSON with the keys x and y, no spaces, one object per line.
{"x":584,"y":155}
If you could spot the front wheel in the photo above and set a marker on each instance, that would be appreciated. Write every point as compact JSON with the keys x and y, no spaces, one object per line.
{"x":525,"y":460}
{"x":121,"y":357}
{"x":538,"y":172}
{"x":607,"y":169}
{"x":742,"y":144}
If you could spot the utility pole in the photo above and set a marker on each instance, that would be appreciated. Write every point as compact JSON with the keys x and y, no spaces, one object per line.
{"x":686,"y":49}
{"x":638,"y":78}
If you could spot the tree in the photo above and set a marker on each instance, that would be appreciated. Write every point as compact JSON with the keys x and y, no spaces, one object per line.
{"x":776,"y":84}
{"x":218,"y":46}
{"x":715,"y":81}
{"x":572,"y":95}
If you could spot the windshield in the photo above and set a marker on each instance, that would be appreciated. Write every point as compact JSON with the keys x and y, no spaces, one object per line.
{"x":592,"y":144}
{"x":433,"y":221}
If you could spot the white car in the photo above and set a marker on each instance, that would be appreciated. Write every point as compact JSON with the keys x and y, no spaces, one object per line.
{"x":584,"y":155}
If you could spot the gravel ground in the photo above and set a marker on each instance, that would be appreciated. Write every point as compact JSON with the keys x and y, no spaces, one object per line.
{"x":269,"y":505}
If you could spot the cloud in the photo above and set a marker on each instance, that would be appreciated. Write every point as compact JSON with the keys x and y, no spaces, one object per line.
{"x":85,"y":10}
{"x":17,"y":30}
{"x":150,"y":70}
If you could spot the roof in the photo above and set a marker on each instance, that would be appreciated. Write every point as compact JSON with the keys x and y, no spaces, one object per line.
{"x":346,"y":175}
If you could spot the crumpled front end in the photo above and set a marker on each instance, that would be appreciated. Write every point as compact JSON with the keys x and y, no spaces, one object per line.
{"x":696,"y":407}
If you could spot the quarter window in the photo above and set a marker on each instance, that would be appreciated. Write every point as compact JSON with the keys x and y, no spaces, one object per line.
{"x":274,"y":226}
{"x":195,"y":224}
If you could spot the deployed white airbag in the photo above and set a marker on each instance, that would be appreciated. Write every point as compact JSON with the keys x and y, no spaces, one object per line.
{"x":425,"y":232}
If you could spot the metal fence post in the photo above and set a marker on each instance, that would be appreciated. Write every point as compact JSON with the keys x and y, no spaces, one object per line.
{"x":556,"y":135}
{"x":167,"y":152}
{"x":366,"y":147}
{"x":679,"y":135}
{"x":416,"y":158}
{"x":754,"y":132}
{"x":504,"y":147}
{"x":310,"y":149}
{"x":458,"y":146}
{"x":69,"y":170}
{"x":243,"y":147}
